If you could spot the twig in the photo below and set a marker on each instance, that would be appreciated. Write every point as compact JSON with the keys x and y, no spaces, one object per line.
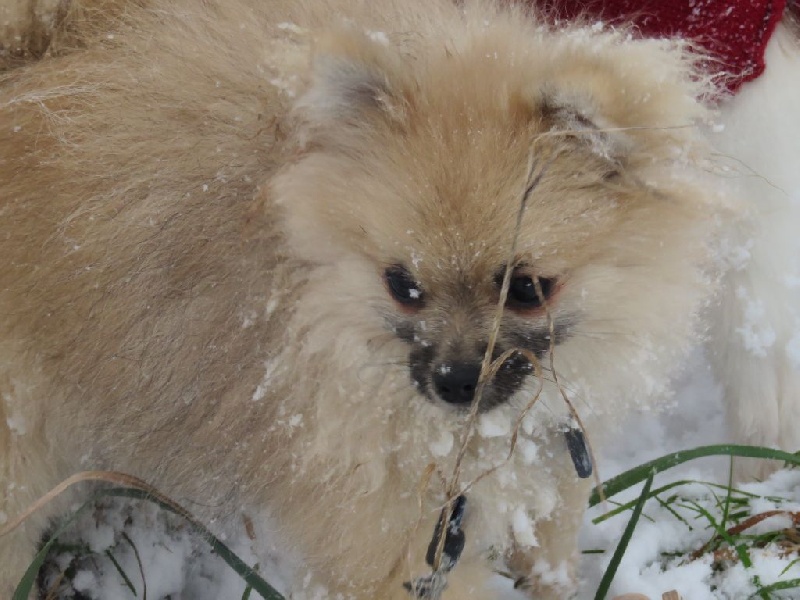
{"x":534,"y":176}
{"x":107,"y":476}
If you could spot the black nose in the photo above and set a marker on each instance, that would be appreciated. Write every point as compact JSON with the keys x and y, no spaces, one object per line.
{"x":456,"y":382}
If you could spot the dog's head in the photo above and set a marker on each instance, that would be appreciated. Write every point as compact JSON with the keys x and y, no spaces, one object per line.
{"x":430,"y":170}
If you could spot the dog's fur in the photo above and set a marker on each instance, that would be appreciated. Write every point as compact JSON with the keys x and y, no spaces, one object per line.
{"x":198,"y":207}
{"x":756,"y":331}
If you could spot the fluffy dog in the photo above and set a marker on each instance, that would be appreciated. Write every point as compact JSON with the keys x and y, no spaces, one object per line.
{"x":253,"y":253}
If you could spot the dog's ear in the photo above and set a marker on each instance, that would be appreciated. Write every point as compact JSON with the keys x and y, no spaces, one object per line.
{"x":353,"y":85}
{"x":578,"y":119}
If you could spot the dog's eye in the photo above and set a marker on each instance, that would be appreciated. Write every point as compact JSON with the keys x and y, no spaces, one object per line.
{"x":402,"y":286}
{"x":522,"y":292}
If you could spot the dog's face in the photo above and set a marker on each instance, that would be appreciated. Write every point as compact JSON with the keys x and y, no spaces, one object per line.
{"x":427,"y":174}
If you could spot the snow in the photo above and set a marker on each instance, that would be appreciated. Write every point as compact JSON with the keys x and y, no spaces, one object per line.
{"x":261,"y":390}
{"x":16,"y":424}
{"x":442,"y":446}
{"x":292,"y":27}
{"x":793,"y":351}
{"x":528,"y":449}
{"x":14,"y":420}
{"x":522,"y":528}
{"x":378,"y":37}
{"x":259,"y":393}
{"x":757,"y":335}
{"x":494,"y":424}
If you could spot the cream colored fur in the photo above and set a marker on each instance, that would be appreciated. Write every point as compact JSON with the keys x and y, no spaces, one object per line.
{"x":24,"y":24}
{"x":32,"y":29}
{"x":197,"y":210}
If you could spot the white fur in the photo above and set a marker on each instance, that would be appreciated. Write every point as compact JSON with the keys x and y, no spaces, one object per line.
{"x":755,"y":332}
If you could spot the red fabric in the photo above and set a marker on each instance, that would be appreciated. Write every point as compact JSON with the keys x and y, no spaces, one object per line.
{"x":734,"y":32}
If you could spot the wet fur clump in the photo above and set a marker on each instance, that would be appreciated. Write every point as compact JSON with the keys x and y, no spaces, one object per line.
{"x":200,"y":212}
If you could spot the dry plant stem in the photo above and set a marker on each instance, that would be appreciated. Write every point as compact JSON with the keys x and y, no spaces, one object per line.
{"x":249,"y":528}
{"x":518,"y":423}
{"x":424,"y":482}
{"x":756,"y":519}
{"x":551,"y":326}
{"x":107,"y":476}
{"x":52,"y":591}
{"x":532,"y":179}
{"x":578,"y":132}
{"x":750,"y":172}
{"x":744,"y":526}
{"x":489,"y":369}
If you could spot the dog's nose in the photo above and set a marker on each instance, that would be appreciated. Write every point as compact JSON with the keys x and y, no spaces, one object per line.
{"x":455,"y":383}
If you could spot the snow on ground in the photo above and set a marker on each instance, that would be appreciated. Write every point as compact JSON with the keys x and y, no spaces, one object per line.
{"x":693,"y":418}
{"x":178,"y":566}
{"x":696,"y":419}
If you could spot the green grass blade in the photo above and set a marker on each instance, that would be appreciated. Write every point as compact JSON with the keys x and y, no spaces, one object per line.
{"x":778,"y":586}
{"x":789,"y":566}
{"x":668,"y":507}
{"x":611,"y":571}
{"x":122,"y":573}
{"x":28,"y":581}
{"x":249,"y":589}
{"x":722,"y":533}
{"x":726,"y":512}
{"x":248,"y":575}
{"x":621,"y":508}
{"x":638,"y":474}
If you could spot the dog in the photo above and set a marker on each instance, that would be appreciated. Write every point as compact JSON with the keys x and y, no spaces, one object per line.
{"x":259,"y":254}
